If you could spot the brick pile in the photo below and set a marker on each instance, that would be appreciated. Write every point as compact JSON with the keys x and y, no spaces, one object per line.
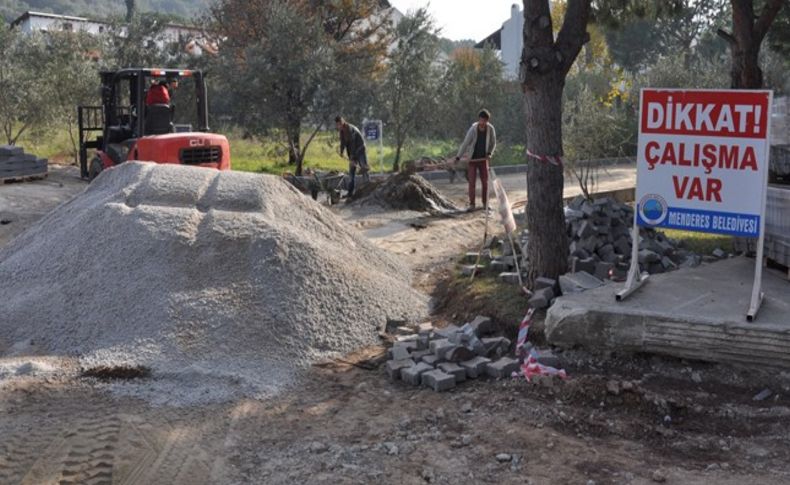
{"x":16,"y":164}
{"x":440,"y":359}
{"x":600,"y":248}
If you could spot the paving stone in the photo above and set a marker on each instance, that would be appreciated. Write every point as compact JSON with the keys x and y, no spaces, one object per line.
{"x":440,"y":347}
{"x":586,"y":265}
{"x":509,"y":278}
{"x":468,"y":269}
{"x":431,"y":360}
{"x":622,"y":246}
{"x":541,"y":298}
{"x":412,"y":375}
{"x":578,"y":282}
{"x":417,"y":355}
{"x":646,"y":256}
{"x":482,"y":325}
{"x":543,"y":282}
{"x":424,"y":328}
{"x":459,"y":353}
{"x":719,"y":253}
{"x":471,"y":258}
{"x":475,"y":367}
{"x":437,"y":380}
{"x":454,"y":370}
{"x":499,"y":267}
{"x":446,"y":331}
{"x":400,"y":351}
{"x":602,"y":269}
{"x":668,"y":264}
{"x":394,"y":367}
{"x":410,"y":346}
{"x":496,"y":346}
{"x":547,"y":357}
{"x":502,"y":367}
{"x":10,"y":150}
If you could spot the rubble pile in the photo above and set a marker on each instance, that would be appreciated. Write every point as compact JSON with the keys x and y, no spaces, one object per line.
{"x":440,"y":358}
{"x":16,"y":164}
{"x":405,"y":191}
{"x":600,"y":250}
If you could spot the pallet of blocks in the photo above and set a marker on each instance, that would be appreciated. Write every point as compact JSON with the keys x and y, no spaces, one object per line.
{"x":15,"y":164}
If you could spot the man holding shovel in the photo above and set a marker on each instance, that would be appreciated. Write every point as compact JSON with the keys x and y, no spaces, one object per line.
{"x":478,"y":147}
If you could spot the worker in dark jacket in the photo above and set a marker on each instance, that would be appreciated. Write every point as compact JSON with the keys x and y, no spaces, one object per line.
{"x":353,"y":143}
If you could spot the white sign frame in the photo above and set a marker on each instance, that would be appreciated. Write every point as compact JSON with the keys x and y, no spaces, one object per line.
{"x":661,"y":119}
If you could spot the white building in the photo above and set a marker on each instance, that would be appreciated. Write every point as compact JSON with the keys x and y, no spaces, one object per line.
{"x":509,"y":40}
{"x":29,"y":22}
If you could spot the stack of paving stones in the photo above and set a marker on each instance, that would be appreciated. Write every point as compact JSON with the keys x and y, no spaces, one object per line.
{"x":599,"y":232}
{"x":441,"y":358}
{"x":16,"y":164}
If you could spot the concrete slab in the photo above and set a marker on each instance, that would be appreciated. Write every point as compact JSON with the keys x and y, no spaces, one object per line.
{"x":695,"y":313}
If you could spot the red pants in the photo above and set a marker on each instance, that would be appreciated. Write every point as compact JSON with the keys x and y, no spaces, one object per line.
{"x":471,"y":175}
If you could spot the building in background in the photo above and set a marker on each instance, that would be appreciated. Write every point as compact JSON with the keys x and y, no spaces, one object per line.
{"x":509,"y":41}
{"x":192,"y":39}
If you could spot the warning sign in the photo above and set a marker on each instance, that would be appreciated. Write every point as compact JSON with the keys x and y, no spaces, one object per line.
{"x":703,"y":160}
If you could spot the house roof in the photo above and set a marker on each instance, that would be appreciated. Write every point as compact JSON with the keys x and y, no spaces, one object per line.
{"x":494,"y":39}
{"x":31,"y":13}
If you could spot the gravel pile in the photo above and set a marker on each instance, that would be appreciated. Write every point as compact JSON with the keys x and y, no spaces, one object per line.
{"x":219,"y":282}
{"x":405,"y":191}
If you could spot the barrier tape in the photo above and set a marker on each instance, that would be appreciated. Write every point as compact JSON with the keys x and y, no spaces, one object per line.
{"x":523,"y":330}
{"x":530,"y":366}
{"x":556,"y":161}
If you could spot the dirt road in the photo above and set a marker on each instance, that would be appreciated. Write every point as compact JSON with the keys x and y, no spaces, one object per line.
{"x":22,"y":204}
{"x":609,"y":178}
{"x":618,"y":420}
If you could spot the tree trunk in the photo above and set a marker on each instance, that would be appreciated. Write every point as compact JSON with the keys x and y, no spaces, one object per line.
{"x":130,"y":10}
{"x":748,"y":32}
{"x":294,"y":147}
{"x":400,"y":139}
{"x":548,"y":240}
{"x":544,"y":64}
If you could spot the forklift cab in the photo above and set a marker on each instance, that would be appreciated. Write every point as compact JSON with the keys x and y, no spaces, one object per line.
{"x":125,"y":120}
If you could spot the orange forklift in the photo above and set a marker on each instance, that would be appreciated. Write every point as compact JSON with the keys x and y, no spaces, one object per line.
{"x":126,"y":128}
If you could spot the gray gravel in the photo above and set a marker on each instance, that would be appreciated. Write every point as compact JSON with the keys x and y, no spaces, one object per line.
{"x":223,"y":283}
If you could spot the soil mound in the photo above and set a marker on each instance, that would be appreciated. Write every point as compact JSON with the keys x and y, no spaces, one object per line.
{"x":405,"y":191}
{"x":205,"y":277}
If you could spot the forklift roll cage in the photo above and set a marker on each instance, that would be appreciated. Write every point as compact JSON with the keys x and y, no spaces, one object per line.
{"x":119,"y":124}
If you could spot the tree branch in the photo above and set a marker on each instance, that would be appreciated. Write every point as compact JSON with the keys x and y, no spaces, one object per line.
{"x":770,"y":11}
{"x":573,"y":34}
{"x":725,"y":35}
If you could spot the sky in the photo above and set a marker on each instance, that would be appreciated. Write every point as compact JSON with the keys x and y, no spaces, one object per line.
{"x":463,"y":19}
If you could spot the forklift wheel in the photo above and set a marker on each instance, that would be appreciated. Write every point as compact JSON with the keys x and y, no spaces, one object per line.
{"x":95,"y":169}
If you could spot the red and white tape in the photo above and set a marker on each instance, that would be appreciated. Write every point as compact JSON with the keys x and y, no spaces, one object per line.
{"x":556,"y":161}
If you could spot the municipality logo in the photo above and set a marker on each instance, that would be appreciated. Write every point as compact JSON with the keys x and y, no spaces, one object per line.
{"x":653,"y":209}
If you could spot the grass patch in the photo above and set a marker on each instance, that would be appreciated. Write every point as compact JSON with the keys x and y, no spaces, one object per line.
{"x":701,"y":242}
{"x":458,"y":298}
{"x":270,"y":156}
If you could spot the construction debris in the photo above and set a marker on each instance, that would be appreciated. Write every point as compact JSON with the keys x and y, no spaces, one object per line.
{"x":405,"y":191}
{"x":16,"y":164}
{"x":221,"y":283}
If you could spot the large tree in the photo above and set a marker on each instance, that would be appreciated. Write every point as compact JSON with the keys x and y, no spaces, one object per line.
{"x":546,"y":60}
{"x":545,"y":63}
{"x":412,"y":74}
{"x":745,"y":39}
{"x":295,"y":72}
{"x":24,"y":96}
